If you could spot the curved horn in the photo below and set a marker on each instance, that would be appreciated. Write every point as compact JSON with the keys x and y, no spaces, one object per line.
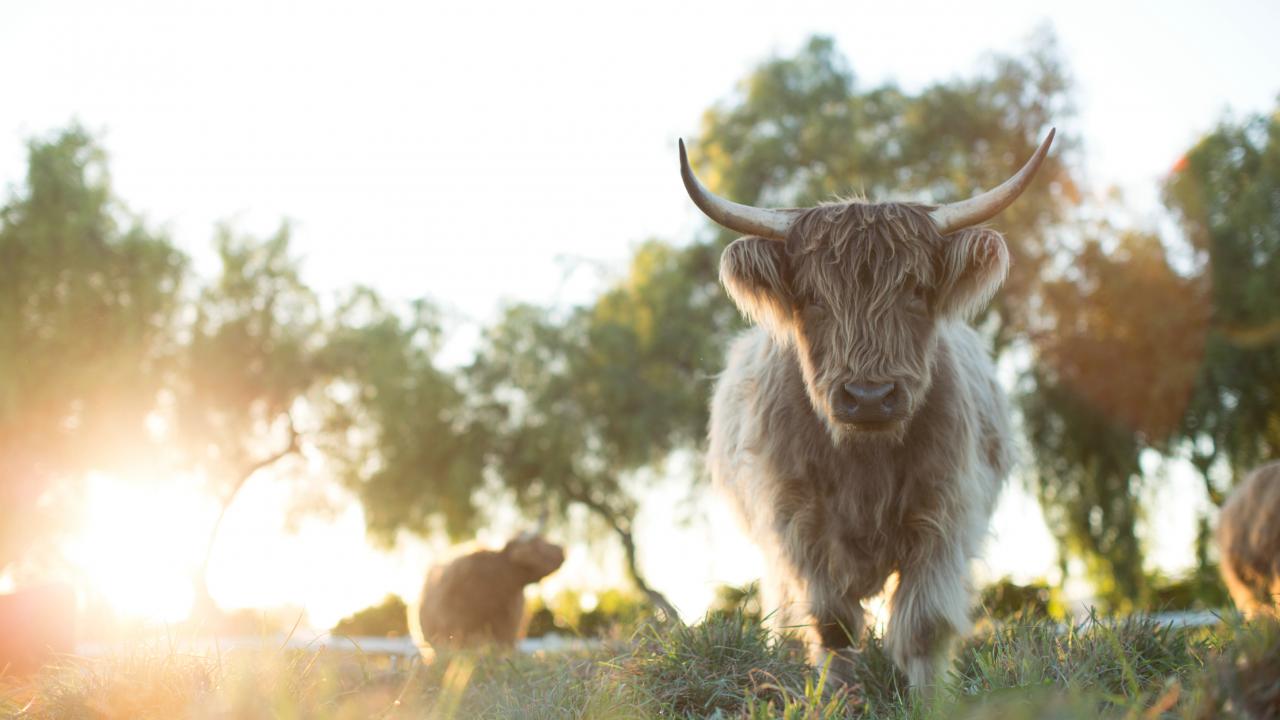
{"x":770,"y":224}
{"x":954,"y":216}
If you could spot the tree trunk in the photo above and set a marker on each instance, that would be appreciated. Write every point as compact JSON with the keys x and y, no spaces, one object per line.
{"x":622,"y":528}
{"x":633,"y":569}
{"x":203,"y":604}
{"x":1202,"y":463}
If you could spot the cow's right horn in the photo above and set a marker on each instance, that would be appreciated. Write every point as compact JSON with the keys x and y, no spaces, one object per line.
{"x":770,"y":224}
{"x":954,"y":216}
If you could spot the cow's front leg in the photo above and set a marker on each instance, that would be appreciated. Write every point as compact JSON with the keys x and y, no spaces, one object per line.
{"x":836,"y":627}
{"x":929,"y":609}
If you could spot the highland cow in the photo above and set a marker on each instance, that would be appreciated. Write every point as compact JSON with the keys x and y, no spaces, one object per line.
{"x":1249,"y":541}
{"x":478,"y":599}
{"x":36,"y":625}
{"x":859,"y":429}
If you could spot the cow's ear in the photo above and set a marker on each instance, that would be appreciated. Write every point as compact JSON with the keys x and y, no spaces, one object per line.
{"x":975,"y":262}
{"x":754,"y":272}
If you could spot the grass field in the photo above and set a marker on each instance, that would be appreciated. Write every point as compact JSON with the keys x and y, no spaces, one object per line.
{"x":724,"y":667}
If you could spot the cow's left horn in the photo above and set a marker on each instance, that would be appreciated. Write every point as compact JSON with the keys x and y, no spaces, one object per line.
{"x":954,"y":216}
{"x":770,"y":224}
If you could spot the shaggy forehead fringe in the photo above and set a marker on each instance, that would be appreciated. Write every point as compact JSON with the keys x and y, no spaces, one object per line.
{"x":893,"y":240}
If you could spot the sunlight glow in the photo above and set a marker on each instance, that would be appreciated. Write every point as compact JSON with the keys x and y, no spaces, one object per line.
{"x":139,"y":543}
{"x":433,"y":122}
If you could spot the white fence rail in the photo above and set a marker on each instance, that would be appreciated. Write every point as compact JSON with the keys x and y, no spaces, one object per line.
{"x":392,"y":647}
{"x":400,"y":649}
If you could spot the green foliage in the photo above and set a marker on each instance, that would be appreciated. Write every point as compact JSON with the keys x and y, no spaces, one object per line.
{"x":1226,"y":193}
{"x":89,"y":300}
{"x":740,"y":599}
{"x":396,"y":423}
{"x":1141,"y":346}
{"x":1201,"y":589}
{"x":541,"y":620}
{"x":652,"y":350}
{"x":801,"y":130}
{"x":248,"y":360}
{"x":1116,"y":359}
{"x":1007,"y":600}
{"x":1087,"y":473}
{"x":586,"y":396}
{"x":614,"y":613}
{"x":572,"y":403}
{"x":389,"y":618}
{"x":530,"y":381}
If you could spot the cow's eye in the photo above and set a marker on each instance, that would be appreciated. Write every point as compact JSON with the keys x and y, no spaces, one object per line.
{"x":815,"y":312}
{"x":918,"y":300}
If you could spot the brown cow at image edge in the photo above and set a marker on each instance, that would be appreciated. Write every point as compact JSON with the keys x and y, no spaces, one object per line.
{"x":1249,"y":541}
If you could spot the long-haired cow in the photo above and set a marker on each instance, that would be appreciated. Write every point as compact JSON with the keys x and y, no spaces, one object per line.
{"x":478,"y":599}
{"x":1249,"y":541}
{"x":859,"y":429}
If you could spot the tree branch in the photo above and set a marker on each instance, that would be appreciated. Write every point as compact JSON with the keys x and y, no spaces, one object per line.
{"x":1202,"y":463}
{"x":610,"y":517}
{"x":249,"y":470}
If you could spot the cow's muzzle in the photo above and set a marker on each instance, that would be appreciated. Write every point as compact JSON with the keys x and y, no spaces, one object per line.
{"x":867,"y":405}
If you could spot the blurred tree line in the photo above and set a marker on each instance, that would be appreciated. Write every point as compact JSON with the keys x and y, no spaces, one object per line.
{"x":1127,"y":342}
{"x":390,"y":618}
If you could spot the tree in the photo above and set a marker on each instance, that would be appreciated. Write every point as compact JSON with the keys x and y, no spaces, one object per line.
{"x":89,"y":300}
{"x":572,"y":403}
{"x":390,"y":618}
{"x":800,"y":130}
{"x":554,"y":410}
{"x":396,"y":424}
{"x":1118,"y":343}
{"x":569,"y":406}
{"x":1226,"y":193}
{"x":248,"y":361}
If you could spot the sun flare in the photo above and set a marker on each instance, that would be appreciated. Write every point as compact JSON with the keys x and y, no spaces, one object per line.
{"x":139,"y":544}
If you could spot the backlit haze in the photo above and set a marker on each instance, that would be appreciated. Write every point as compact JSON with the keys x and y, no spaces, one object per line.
{"x":477,"y":153}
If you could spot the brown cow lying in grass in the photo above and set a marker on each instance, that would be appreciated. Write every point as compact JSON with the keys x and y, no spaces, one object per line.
{"x":36,"y":624}
{"x":1249,"y":541}
{"x":478,"y":599}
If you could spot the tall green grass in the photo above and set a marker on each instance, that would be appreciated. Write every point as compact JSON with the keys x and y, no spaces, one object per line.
{"x":725,"y":667}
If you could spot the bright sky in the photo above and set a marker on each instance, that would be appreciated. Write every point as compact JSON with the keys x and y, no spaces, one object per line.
{"x":473,"y":152}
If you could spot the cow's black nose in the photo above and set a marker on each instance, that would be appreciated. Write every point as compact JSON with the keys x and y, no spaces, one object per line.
{"x":866,"y":403}
{"x":870,"y":394}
